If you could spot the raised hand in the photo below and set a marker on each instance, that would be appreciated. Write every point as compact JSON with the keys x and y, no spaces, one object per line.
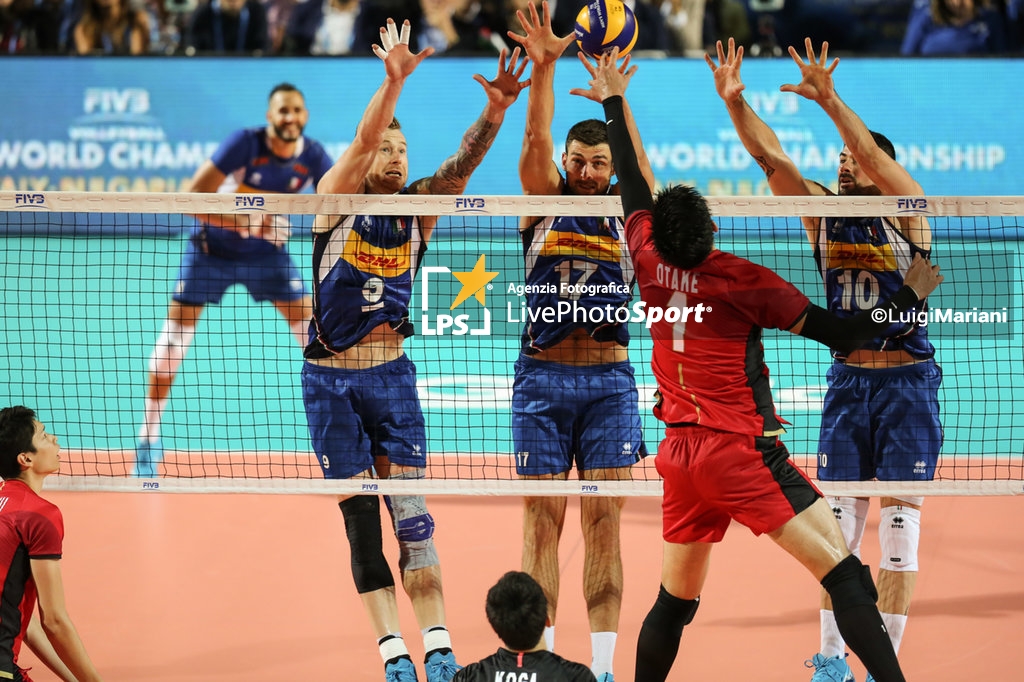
{"x":727,"y":71}
{"x":505,"y":88}
{"x":399,"y":61}
{"x":816,"y":73}
{"x":607,"y":78}
{"x":542,"y":46}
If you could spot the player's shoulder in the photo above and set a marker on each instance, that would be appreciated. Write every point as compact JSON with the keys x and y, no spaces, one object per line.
{"x":251,"y":133}
{"x":737,"y":270}
{"x":314,"y":145}
{"x":478,"y":671}
{"x":243,"y":139}
{"x":574,"y":671}
{"x":16,"y":496}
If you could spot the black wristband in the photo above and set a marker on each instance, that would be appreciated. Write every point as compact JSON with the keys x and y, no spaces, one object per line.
{"x":612,"y":107}
{"x":903,"y":300}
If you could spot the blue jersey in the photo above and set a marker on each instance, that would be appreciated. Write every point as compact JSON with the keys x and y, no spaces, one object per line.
{"x":578,"y":274}
{"x":863,"y":261}
{"x":245,"y":158}
{"x":363,"y":271}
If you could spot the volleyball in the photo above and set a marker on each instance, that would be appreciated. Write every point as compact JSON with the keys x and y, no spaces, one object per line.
{"x":604,"y":24}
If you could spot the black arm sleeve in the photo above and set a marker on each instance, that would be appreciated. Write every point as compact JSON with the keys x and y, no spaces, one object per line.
{"x":847,"y":334}
{"x":636,"y":193}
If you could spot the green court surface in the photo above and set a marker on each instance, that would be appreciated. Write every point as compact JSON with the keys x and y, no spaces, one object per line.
{"x":80,"y":316}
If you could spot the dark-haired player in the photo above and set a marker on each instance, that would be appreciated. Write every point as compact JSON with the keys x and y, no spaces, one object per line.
{"x":31,"y":541}
{"x":358,"y":386}
{"x":722,"y":458}
{"x":574,"y":400}
{"x":237,"y":248}
{"x":881,"y":413}
{"x":518,"y":611}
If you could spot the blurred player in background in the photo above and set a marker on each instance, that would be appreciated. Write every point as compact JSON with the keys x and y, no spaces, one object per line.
{"x":358,"y":386}
{"x":31,"y":540}
{"x":880,"y":418}
{"x":574,"y":400}
{"x":237,"y":248}
{"x":721,"y":459}
{"x":518,"y":611}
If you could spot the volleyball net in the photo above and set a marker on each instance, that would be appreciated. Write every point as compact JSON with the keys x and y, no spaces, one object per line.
{"x":87,"y":279}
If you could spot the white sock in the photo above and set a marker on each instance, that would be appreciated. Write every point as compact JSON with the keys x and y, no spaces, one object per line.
{"x":392,"y":646}
{"x":153,"y":411}
{"x":832,"y":644}
{"x":549,"y":637}
{"x":602,"y":646}
{"x":895,"y":624}
{"x":436,"y":637}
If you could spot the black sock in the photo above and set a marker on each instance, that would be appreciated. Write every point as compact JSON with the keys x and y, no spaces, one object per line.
{"x":660,"y":634}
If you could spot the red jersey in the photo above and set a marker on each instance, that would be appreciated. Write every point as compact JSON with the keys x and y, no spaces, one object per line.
{"x":30,"y":528}
{"x":709,"y":363}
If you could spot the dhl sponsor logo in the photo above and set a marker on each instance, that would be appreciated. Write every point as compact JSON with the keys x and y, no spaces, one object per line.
{"x":599,"y":247}
{"x":376,"y":260}
{"x":842,"y":255}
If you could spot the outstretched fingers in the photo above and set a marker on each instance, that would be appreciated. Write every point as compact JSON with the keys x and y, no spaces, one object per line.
{"x":392,"y":36}
{"x":733,"y":58}
{"x":516,"y":71}
{"x":821,"y":60}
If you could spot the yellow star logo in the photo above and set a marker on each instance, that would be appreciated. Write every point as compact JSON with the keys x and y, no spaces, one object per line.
{"x":474,"y":283}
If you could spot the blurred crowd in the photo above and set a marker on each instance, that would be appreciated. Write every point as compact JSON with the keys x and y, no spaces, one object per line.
{"x":472,"y":27}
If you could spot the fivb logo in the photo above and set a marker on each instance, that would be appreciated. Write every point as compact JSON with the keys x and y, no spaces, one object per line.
{"x":912,"y":205}
{"x":249,"y":202}
{"x":116,"y":103}
{"x":475,"y":283}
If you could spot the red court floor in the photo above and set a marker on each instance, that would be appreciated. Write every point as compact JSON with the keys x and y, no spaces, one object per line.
{"x":232,"y":588}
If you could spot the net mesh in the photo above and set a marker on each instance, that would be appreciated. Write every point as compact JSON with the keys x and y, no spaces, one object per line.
{"x":87,"y":278}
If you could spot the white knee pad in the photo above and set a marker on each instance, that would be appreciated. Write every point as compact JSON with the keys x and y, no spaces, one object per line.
{"x":899,"y":533}
{"x":852,"y":515}
{"x":170,"y":349}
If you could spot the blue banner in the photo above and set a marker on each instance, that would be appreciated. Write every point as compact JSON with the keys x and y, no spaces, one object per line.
{"x":146,"y":124}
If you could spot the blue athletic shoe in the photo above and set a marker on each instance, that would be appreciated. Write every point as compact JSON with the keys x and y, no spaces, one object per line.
{"x":607,"y":677}
{"x":829,"y":669}
{"x":400,"y":670}
{"x":869,"y":678}
{"x":148,"y":454}
{"x":441,"y":667}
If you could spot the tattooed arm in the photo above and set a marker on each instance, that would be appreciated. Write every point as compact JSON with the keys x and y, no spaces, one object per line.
{"x":760,"y":141}
{"x":453,"y":175}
